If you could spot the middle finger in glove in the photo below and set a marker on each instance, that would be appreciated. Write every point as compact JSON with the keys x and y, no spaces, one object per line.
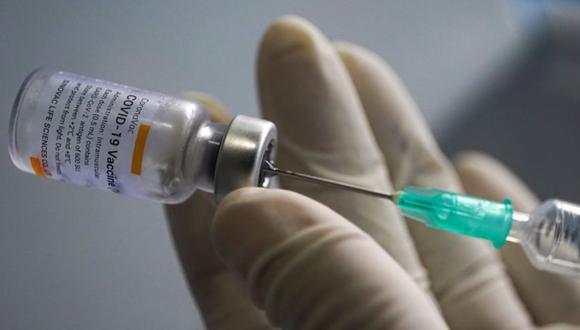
{"x":467,"y":276}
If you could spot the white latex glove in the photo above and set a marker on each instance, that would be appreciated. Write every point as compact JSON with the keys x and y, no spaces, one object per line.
{"x":343,"y":114}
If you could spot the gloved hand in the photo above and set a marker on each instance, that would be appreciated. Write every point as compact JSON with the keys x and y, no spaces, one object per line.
{"x":331,"y":259}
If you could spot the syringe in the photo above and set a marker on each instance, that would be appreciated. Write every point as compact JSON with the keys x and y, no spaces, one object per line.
{"x":549,"y":235}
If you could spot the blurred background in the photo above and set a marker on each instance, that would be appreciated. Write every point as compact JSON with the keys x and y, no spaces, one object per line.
{"x":498,"y":76}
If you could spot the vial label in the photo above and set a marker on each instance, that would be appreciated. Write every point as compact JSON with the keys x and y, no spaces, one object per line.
{"x":86,"y":130}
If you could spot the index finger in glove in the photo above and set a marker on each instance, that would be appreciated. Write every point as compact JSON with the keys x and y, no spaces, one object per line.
{"x":305,"y":89}
{"x":309,"y":268}
{"x":467,"y":276}
{"x":550,"y":298}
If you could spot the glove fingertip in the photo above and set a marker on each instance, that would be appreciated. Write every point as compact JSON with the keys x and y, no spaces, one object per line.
{"x":485,"y":176}
{"x":288,"y":34}
{"x":351,"y":52}
{"x":476,"y":167}
{"x":358,"y":58}
{"x":466,"y":165}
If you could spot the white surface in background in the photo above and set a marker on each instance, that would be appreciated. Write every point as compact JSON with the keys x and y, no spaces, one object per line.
{"x":75,"y":258}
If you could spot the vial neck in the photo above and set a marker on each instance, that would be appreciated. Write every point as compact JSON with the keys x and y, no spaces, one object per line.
{"x":202,"y":154}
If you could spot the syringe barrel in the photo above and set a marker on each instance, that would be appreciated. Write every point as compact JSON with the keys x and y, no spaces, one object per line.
{"x":551,"y":237}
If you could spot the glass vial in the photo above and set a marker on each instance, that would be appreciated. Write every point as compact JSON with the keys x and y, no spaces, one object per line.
{"x":127,"y":140}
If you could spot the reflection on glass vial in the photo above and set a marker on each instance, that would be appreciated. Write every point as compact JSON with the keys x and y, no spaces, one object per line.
{"x":127,"y":140}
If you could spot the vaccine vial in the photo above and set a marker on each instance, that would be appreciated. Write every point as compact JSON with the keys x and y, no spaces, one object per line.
{"x":131,"y":141}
